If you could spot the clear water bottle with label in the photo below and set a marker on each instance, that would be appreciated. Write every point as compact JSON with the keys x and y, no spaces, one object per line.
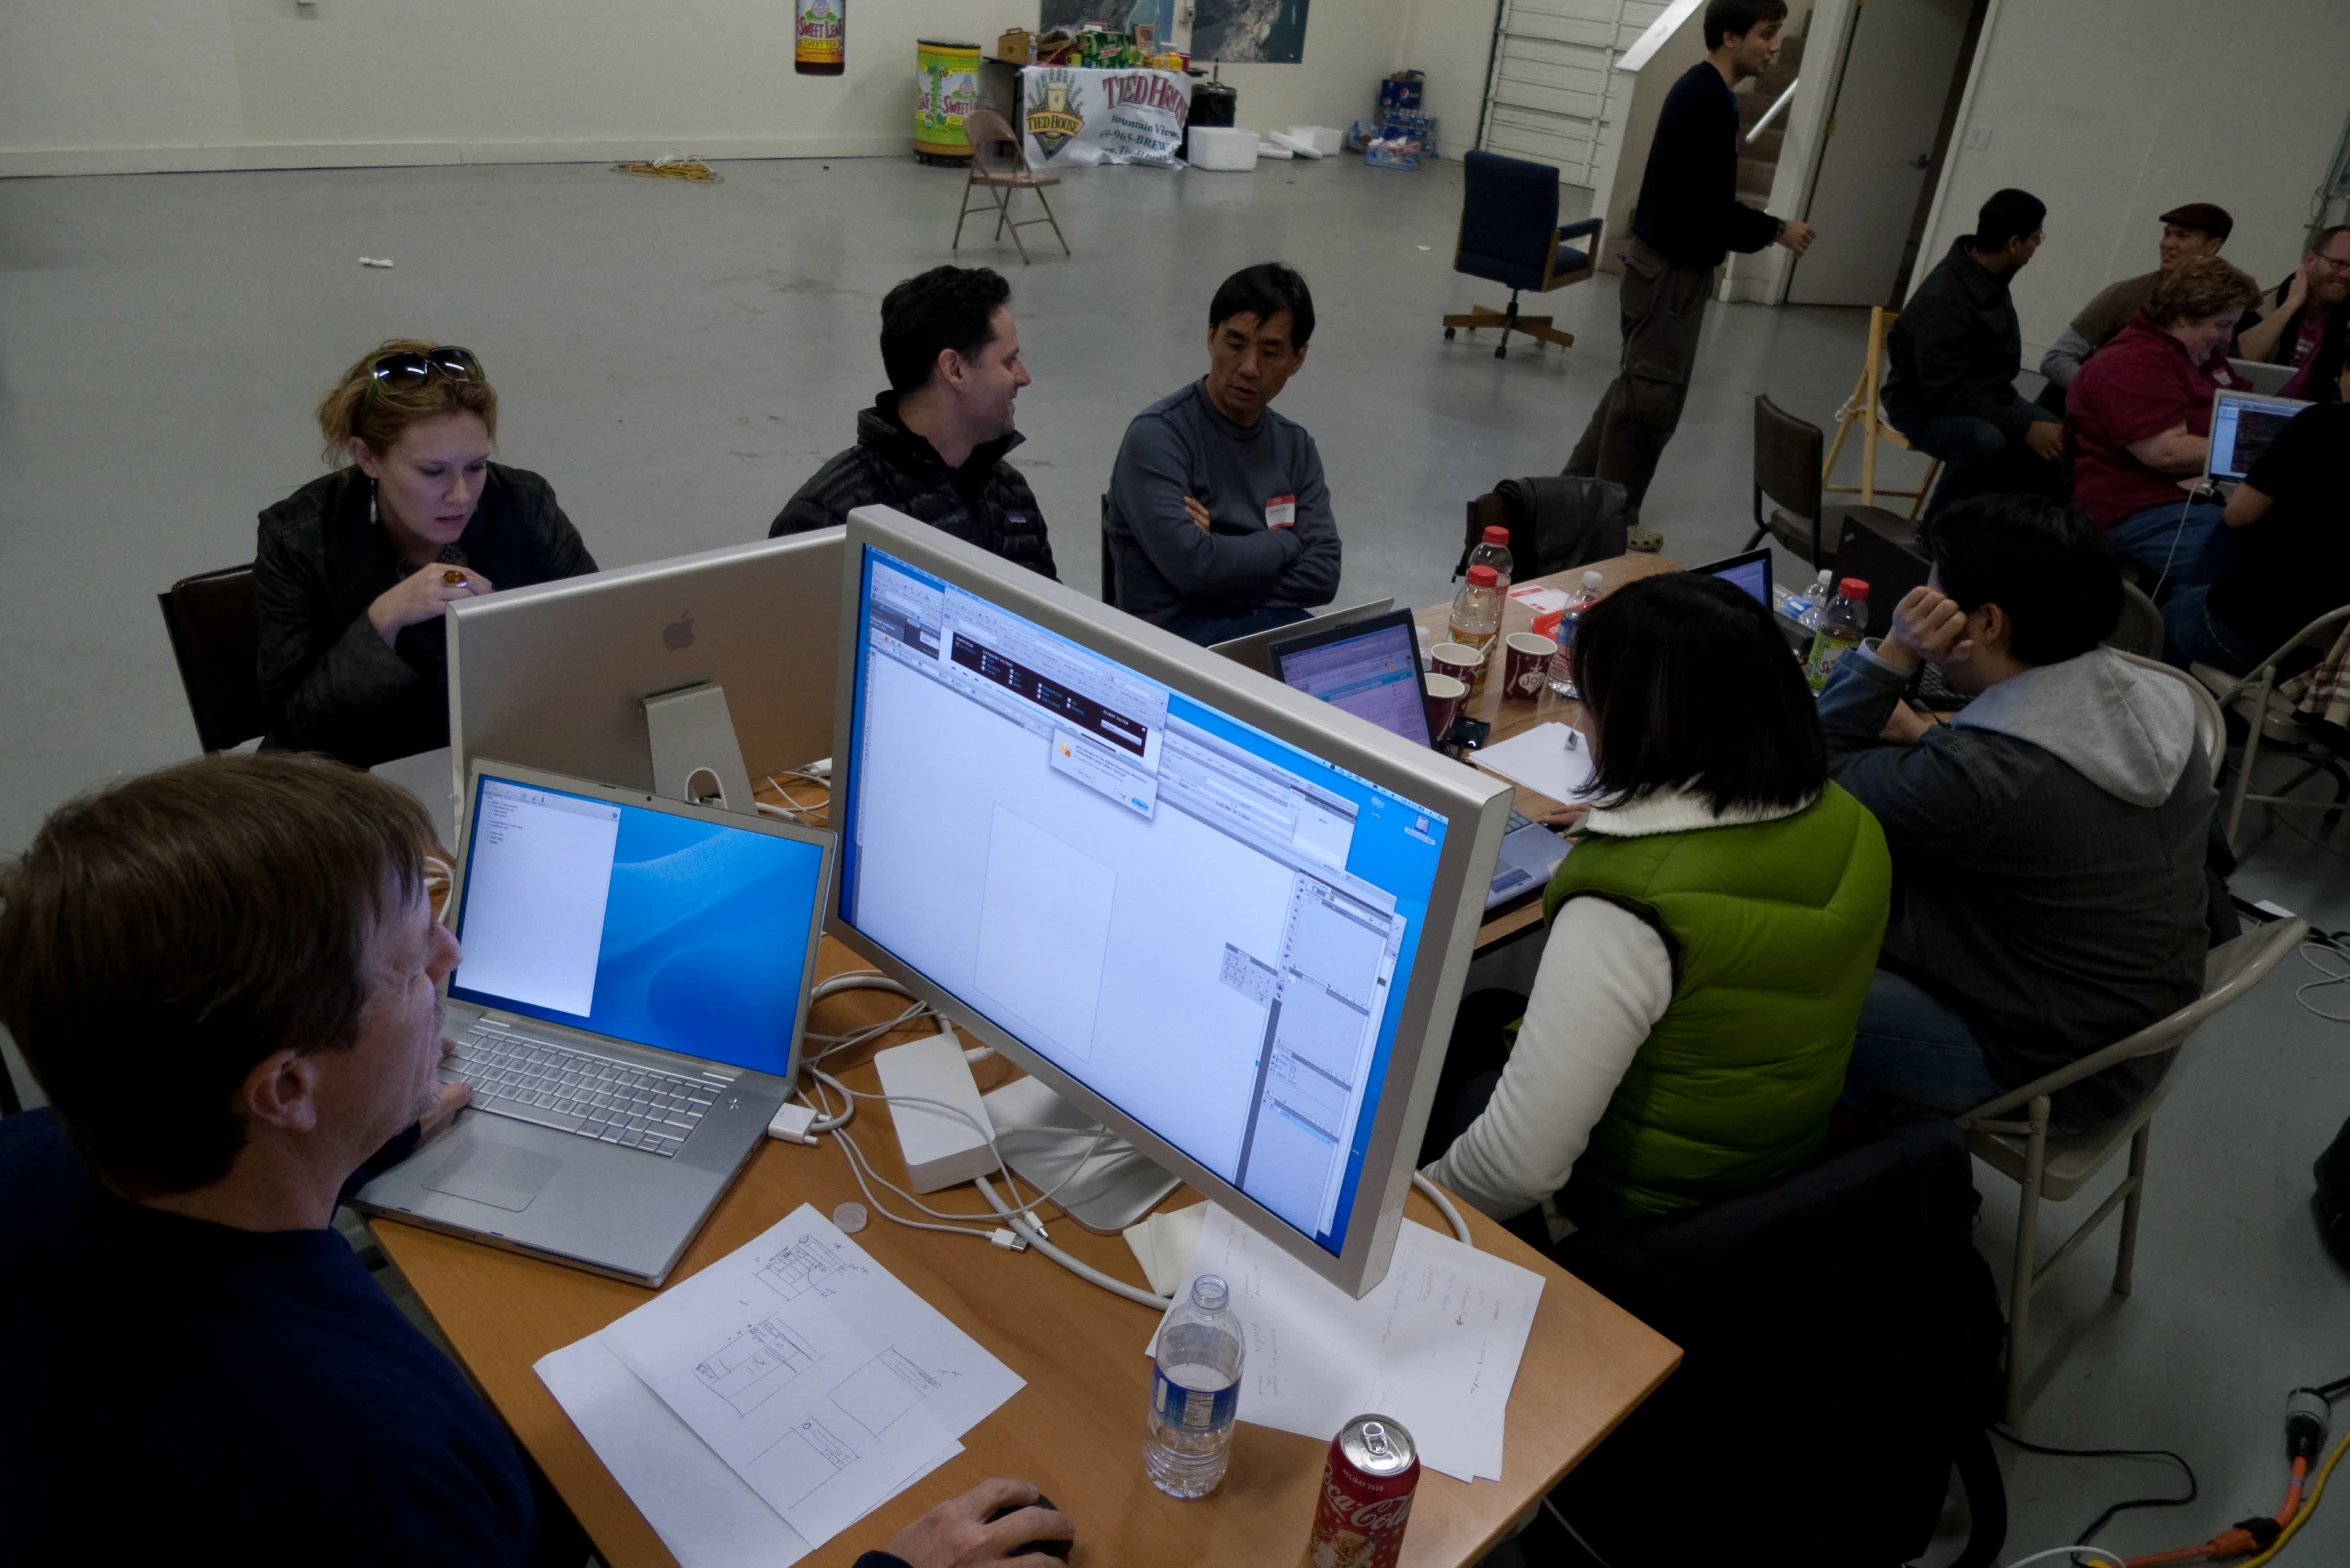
{"x":1494,"y":550}
{"x":1821,"y":592}
{"x":1195,"y":1392}
{"x":1839,"y":630}
{"x":1562,"y":663}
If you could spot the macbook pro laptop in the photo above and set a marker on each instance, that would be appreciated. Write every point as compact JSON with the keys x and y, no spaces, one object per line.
{"x":1750,"y":571}
{"x":2262,"y":377}
{"x":2242,"y":426}
{"x":1371,"y":668}
{"x":1255,"y":650}
{"x":628,"y":1009}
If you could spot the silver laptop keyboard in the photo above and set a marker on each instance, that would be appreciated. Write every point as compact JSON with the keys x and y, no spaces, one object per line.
{"x":579,"y":1092}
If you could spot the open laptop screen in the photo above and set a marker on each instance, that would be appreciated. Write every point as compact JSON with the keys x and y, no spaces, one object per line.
{"x":1372,"y":670}
{"x":2242,"y":426}
{"x":668,"y":930}
{"x":1750,"y":573}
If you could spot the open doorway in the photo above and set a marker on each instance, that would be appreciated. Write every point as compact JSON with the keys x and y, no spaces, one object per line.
{"x":1897,"y":92}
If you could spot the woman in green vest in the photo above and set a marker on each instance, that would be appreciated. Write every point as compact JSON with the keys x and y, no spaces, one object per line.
{"x":1711,"y":935}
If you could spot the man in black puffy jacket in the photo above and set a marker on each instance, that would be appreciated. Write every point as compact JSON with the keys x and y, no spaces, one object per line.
{"x":934,"y":445}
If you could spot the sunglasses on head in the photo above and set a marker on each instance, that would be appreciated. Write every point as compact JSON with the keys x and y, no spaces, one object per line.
{"x":407,"y":369}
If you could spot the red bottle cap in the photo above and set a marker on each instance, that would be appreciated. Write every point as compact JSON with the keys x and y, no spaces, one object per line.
{"x":1498,"y":535}
{"x":1484,"y":577}
{"x":1853,"y":588}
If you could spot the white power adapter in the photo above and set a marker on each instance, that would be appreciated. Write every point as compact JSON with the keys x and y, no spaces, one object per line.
{"x":942,"y":1148}
{"x":791,"y":1123}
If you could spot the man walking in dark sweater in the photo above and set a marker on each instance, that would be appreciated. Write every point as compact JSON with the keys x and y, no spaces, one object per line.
{"x":1689,"y":218}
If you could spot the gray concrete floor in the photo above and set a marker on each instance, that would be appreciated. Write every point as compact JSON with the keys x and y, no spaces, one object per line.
{"x":676,"y":359}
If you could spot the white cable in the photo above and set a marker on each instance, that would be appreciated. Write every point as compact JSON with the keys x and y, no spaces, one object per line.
{"x":2111,"y":1559}
{"x":1035,"y":1238}
{"x":1435,"y":1194}
{"x":2309,"y":952}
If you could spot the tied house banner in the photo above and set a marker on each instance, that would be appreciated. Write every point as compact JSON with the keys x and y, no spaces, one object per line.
{"x":1078,"y":118}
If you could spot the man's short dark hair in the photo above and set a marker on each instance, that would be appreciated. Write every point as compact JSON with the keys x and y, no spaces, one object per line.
{"x":2044,"y":563}
{"x":2010,"y":214}
{"x":946,"y":307}
{"x":2325,"y":237}
{"x":163,"y":936}
{"x":1264,"y":291}
{"x":1737,"y":18}
{"x":1689,"y":685}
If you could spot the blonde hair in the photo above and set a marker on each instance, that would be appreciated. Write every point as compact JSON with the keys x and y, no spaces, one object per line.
{"x":379,"y":414}
{"x":2201,"y":288}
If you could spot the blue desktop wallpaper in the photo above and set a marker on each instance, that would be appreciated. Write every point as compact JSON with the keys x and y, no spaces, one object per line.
{"x":705,"y":940}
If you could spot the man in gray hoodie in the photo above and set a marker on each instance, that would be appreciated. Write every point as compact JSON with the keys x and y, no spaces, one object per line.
{"x":2048,"y":843}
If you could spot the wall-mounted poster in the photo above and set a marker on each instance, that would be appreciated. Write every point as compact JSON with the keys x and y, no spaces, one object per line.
{"x":1116,"y":15}
{"x":1272,"y":32}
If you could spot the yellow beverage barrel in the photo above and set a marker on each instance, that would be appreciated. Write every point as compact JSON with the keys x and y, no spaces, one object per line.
{"x":946,"y":87}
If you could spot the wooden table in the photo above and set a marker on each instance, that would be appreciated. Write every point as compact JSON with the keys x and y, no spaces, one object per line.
{"x":1076,"y":1430}
{"x":1515,"y":718}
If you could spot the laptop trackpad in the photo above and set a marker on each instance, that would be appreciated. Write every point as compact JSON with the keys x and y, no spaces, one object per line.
{"x":496,"y":1174}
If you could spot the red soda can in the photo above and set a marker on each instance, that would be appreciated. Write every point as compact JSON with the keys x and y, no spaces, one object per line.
{"x":1367,"y":1486}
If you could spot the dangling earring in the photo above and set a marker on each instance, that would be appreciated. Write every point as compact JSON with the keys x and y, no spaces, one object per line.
{"x":371,"y":518}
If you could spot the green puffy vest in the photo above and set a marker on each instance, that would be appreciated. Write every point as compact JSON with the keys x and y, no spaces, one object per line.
{"x":1773,"y":929}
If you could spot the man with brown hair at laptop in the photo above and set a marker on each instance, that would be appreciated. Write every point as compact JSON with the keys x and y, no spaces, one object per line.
{"x":226,"y":977}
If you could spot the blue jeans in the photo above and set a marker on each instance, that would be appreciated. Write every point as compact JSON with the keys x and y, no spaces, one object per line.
{"x":1207,"y":630}
{"x":2174,"y":540}
{"x":1911,"y":1048}
{"x":2191,"y":634}
{"x":1977,"y":457}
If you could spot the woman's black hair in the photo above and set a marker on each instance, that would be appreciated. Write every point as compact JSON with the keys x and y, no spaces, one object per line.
{"x":1689,"y":686}
{"x":2043,"y":562}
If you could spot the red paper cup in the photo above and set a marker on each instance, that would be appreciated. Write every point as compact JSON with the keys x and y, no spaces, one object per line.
{"x":1458,"y":660}
{"x":1525,"y":665}
{"x":1446,"y":693}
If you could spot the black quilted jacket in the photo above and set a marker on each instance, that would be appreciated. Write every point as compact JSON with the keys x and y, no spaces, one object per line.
{"x":985,"y":502}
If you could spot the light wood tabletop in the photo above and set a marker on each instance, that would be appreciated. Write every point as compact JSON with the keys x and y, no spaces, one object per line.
{"x":1076,"y":1430}
{"x":1510,"y":717}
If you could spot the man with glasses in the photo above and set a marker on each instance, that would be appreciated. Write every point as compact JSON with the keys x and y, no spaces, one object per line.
{"x":2304,"y":325}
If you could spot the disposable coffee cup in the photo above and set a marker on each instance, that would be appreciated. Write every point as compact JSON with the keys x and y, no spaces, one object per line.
{"x":1446,"y":693}
{"x":1525,"y":667}
{"x":1458,"y":660}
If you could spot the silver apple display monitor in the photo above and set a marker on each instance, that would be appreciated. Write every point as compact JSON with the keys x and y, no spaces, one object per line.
{"x":592,"y":675}
{"x":1223,"y":920}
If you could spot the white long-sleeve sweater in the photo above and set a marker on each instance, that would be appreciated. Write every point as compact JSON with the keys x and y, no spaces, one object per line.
{"x":1604,"y":982}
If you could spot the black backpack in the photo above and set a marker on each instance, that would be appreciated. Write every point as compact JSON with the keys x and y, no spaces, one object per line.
{"x":2331,"y":1201}
{"x":1555,"y":523}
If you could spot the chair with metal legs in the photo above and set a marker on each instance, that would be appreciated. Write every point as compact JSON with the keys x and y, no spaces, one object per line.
{"x":2268,"y":722}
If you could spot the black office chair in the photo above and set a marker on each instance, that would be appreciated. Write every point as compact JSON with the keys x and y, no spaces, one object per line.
{"x":210,"y":619}
{"x":1510,"y":234}
{"x":1790,"y":475}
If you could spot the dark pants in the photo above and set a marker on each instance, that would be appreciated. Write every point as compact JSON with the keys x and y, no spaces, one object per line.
{"x":1664,"y":308}
{"x":1978,"y":459}
{"x":1208,"y":630}
{"x":1473,"y":1060}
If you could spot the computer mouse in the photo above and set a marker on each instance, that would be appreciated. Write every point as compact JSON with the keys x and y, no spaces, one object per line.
{"x":1058,"y":1549}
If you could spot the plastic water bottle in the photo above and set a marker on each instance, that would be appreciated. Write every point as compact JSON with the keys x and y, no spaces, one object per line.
{"x":1841,"y":626}
{"x":1494,"y":551}
{"x":1476,"y":616}
{"x":1821,"y":592}
{"x":1195,"y":1391}
{"x":1562,"y":663}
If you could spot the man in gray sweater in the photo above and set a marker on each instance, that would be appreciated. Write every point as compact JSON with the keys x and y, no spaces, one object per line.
{"x":2048,"y":843}
{"x":1218,"y":521}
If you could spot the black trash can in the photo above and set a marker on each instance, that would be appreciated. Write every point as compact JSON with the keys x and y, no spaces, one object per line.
{"x":1212,"y":103}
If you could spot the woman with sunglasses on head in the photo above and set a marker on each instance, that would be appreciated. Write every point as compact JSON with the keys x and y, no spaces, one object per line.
{"x":356,"y":569}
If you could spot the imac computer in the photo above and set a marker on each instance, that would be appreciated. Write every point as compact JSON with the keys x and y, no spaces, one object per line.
{"x":1223,"y":920}
{"x":689,"y":678}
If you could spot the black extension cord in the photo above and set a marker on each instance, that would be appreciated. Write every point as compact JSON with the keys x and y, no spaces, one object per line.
{"x":2194,"y":1488}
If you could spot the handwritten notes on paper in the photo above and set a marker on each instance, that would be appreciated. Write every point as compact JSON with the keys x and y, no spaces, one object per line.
{"x":1436,"y":1344}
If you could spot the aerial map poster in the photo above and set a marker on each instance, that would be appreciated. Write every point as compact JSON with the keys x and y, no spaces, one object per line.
{"x":1269,"y":31}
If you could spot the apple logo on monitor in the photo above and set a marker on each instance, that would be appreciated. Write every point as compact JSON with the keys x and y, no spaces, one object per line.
{"x":679,"y":634}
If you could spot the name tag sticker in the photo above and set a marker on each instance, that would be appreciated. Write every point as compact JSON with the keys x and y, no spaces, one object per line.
{"x":1281,"y":512}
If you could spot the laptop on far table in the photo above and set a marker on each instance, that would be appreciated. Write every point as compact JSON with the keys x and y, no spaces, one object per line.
{"x":1371,"y":668}
{"x":2242,"y":426}
{"x":628,"y":1009}
{"x":2262,"y":377}
{"x":1254,"y":650}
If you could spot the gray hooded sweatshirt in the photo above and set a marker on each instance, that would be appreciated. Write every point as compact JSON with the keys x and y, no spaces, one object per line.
{"x":2048,"y":852}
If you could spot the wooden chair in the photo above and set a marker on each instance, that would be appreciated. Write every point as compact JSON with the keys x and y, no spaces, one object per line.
{"x":1510,"y":234}
{"x":1864,"y":410}
{"x":1790,"y":474}
{"x":987,"y":131}
{"x":210,"y":620}
{"x":2268,"y":721}
{"x":2046,"y":1166}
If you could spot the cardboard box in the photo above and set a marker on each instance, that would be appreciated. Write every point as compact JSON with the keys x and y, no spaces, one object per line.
{"x":1401,"y":90}
{"x":1018,"y":45}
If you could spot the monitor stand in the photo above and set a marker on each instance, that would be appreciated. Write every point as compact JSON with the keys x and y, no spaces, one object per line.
{"x":1043,"y":1136}
{"x":695,"y":755}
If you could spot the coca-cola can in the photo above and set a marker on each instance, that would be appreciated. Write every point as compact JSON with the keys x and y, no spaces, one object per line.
{"x":1367,"y":1486}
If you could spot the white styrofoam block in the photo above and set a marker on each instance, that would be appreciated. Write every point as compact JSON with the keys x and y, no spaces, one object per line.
{"x":1222,"y":148}
{"x":941,"y":1148}
{"x":1326,"y":140}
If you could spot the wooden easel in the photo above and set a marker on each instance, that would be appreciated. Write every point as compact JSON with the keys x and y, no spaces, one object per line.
{"x":1862,"y":409}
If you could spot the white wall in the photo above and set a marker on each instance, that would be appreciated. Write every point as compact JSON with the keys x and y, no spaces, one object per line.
{"x":2113,"y":112}
{"x":107,"y":86}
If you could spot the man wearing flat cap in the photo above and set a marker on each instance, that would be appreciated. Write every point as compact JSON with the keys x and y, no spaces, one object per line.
{"x":2197,"y":229}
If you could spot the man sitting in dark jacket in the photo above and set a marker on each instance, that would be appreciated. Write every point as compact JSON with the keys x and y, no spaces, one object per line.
{"x":934,"y":445}
{"x":2048,"y":843}
{"x":1955,"y":353}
